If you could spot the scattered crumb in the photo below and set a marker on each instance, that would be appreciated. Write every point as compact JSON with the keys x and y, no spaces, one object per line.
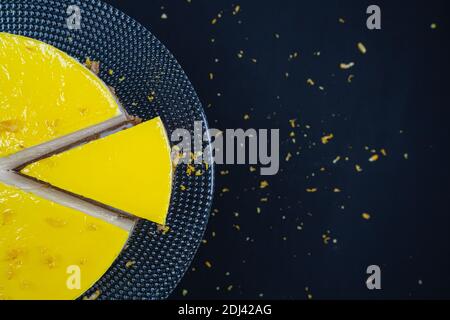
{"x":337,"y":159}
{"x":374,"y":158}
{"x":93,"y":296}
{"x":346,"y":66}
{"x":264,"y":184}
{"x":293,"y":56}
{"x":327,"y":139}
{"x":162,"y":229}
{"x":310,"y":82}
{"x":326,"y":238}
{"x":94,"y":66}
{"x":288,"y":156}
{"x":237,"y":9}
{"x":366,"y":216}
{"x":362,"y":48}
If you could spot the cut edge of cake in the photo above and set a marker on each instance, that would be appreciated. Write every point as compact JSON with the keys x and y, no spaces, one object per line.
{"x":99,"y":211}
{"x":22,"y":158}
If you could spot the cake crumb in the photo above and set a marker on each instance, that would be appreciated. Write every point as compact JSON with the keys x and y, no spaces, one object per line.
{"x":366,"y":216}
{"x":310,"y":82}
{"x":94,"y":66}
{"x":346,"y":66}
{"x":264,"y":184}
{"x":93,"y":296}
{"x":162,"y":229}
{"x":374,"y":158}
{"x":326,"y":139}
{"x":362,"y":48}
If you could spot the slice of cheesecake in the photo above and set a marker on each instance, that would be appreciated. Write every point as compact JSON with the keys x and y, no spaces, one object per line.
{"x":129,"y":171}
{"x":45,"y":94}
{"x":48,"y":251}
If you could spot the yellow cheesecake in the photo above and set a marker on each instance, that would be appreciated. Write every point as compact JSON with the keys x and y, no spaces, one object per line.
{"x":129,"y":170}
{"x":48,"y":251}
{"x":45,"y":94}
{"x":58,"y":125}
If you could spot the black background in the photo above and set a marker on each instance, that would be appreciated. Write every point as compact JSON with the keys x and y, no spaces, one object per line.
{"x":398,"y":100}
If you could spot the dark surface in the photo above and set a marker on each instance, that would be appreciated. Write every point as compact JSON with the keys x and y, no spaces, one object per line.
{"x":398,"y":100}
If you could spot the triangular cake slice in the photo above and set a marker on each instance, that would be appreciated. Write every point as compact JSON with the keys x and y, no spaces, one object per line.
{"x":48,"y":251}
{"x":130,"y":171}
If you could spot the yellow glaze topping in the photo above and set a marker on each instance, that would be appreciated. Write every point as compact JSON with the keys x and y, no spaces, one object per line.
{"x":129,"y":170}
{"x":46,"y":94}
{"x":47,"y":251}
